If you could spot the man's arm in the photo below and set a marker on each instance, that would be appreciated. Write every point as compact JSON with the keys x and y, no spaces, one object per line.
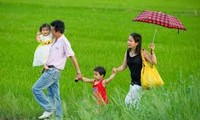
{"x":75,"y":63}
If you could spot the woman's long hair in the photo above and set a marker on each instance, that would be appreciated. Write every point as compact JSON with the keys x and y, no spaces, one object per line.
{"x":137,"y":38}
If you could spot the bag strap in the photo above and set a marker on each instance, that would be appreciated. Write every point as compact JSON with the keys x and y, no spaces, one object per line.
{"x":144,"y":62}
{"x":142,"y":54}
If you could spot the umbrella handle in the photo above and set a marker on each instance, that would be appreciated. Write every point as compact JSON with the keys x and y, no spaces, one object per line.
{"x":154,"y":35}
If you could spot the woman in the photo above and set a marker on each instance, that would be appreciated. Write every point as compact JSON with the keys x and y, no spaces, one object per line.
{"x":133,"y":60}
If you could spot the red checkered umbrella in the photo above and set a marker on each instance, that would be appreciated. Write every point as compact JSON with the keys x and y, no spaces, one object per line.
{"x":160,"y":18}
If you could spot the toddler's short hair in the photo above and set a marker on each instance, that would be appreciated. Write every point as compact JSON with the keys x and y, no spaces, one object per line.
{"x":100,"y":70}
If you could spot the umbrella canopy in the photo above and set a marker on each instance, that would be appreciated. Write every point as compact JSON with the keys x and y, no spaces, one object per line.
{"x":160,"y":18}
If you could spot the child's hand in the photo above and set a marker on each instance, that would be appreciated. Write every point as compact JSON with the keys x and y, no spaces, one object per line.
{"x":38,"y":33}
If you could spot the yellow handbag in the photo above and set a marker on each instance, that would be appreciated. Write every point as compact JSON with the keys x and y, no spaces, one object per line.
{"x":149,"y":74}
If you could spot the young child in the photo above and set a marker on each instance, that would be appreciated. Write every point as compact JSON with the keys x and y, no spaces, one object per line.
{"x":99,"y":84}
{"x":45,"y":38}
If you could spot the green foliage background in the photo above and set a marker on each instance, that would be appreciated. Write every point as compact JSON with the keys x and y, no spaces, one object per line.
{"x":98,"y":31}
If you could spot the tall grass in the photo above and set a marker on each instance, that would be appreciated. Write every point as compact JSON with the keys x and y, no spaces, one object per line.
{"x":98,"y":31}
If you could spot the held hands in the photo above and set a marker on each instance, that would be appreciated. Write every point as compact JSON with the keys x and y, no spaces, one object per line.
{"x":114,"y":70}
{"x":79,"y":76}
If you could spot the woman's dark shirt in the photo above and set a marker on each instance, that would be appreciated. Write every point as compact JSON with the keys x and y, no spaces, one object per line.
{"x":135,"y":65}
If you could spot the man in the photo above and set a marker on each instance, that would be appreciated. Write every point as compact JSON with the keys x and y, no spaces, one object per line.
{"x":59,"y":52}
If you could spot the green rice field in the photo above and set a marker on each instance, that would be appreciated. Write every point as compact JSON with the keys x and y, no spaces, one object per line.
{"x":98,"y":31}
